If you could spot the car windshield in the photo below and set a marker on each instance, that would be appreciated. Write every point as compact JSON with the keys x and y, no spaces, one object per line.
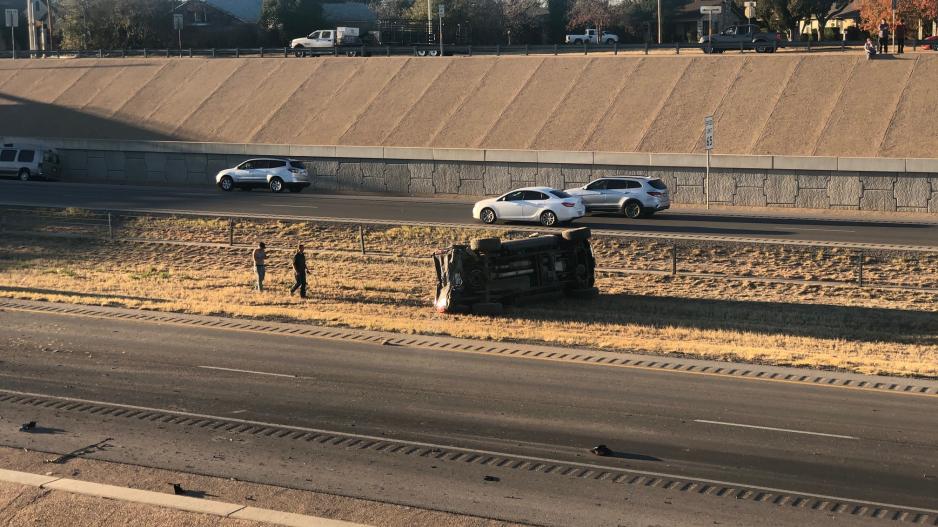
{"x":658,"y":184}
{"x":559,"y":194}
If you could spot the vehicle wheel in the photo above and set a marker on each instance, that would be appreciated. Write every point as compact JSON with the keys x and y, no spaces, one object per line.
{"x":421,"y":52}
{"x":488,"y":308}
{"x":548,"y":218}
{"x":632,"y":209}
{"x":586,"y":292}
{"x":434,"y":53}
{"x":23,"y":174}
{"x":488,"y":216}
{"x":299,"y":52}
{"x":609,"y":41}
{"x":486,"y":245}
{"x":576,"y":235}
{"x":276,"y":185}
{"x":351,"y":53}
{"x":295,"y":190}
{"x":226,"y":183}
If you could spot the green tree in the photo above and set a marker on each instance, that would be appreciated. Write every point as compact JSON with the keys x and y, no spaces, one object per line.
{"x":781,"y":15}
{"x":821,"y":10}
{"x":557,"y":19}
{"x":286,"y":19}
{"x":115,"y":24}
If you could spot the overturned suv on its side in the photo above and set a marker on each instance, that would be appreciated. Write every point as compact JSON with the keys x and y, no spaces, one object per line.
{"x":487,"y":274}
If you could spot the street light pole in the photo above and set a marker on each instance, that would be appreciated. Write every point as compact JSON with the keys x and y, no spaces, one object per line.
{"x":660,"y":40}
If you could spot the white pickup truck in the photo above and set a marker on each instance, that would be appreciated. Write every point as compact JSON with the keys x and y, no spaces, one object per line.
{"x":592,"y":37}
{"x":326,"y":38}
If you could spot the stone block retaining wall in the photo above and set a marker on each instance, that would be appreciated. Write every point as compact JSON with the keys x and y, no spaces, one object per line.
{"x":880,"y":184}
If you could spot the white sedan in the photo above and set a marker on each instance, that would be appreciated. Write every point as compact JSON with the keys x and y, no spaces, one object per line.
{"x":542,"y":204}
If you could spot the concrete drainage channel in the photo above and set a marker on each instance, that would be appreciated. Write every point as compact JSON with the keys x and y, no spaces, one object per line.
{"x":898,"y":385}
{"x":497,"y":460}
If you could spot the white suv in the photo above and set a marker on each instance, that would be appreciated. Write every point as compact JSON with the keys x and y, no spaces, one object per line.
{"x":27,"y":162}
{"x":273,"y":173}
{"x":633,"y":196}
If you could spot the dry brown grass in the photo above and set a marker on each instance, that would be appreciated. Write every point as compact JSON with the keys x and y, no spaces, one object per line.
{"x":864,"y":330}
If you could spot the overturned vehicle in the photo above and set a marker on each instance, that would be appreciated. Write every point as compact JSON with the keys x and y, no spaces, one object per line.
{"x":487,"y":274}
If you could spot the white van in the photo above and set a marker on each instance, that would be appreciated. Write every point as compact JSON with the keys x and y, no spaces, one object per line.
{"x":27,"y":162}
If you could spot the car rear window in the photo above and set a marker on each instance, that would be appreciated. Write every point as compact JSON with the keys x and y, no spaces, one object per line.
{"x":658,"y":184}
{"x":8,"y":155}
{"x":27,"y":156}
{"x":273,"y":163}
{"x":297,"y":164}
{"x":559,"y":194}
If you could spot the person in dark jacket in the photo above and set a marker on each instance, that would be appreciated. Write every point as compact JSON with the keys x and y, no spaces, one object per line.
{"x":900,"y":36}
{"x":300,"y":270}
{"x":883,"y":36}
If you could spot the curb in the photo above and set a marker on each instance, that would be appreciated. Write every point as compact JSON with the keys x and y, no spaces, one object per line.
{"x":170,"y":501}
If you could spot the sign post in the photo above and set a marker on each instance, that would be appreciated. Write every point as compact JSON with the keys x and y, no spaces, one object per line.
{"x":750,"y":11}
{"x":710,"y":10}
{"x":177,"y":25}
{"x":442,"y":11}
{"x":12,"y":19}
{"x":708,"y":144}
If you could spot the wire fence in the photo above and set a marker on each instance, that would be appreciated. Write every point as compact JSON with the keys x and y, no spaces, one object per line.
{"x":466,"y":50}
{"x":621,"y":254}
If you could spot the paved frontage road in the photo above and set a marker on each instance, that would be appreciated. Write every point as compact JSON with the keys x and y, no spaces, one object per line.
{"x":790,"y":226}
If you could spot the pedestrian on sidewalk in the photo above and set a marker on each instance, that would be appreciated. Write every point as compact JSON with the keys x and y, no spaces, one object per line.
{"x":870,"y":48}
{"x":300,"y":270}
{"x":883,"y":36}
{"x":259,"y":257}
{"x":900,"y":36}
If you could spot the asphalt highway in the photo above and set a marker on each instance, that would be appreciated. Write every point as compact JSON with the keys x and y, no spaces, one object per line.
{"x":812,"y":226}
{"x":811,"y":439}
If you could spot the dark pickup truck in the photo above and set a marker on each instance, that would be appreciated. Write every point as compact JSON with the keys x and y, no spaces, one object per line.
{"x":742,"y":37}
{"x":487,"y":274}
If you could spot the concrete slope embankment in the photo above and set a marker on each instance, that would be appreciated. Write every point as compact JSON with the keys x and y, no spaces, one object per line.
{"x":830,"y":105}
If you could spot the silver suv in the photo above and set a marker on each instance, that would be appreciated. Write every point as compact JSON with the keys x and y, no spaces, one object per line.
{"x":265,"y":172}
{"x":633,"y":196}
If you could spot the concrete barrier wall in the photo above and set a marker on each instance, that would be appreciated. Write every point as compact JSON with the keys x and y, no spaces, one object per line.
{"x":909,"y":185}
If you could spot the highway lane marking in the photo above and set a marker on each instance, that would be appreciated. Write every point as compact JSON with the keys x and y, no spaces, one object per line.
{"x":235,"y":370}
{"x":388,"y":439}
{"x":824,"y":230}
{"x":487,"y":354}
{"x":773,"y":429}
{"x":290,"y":206}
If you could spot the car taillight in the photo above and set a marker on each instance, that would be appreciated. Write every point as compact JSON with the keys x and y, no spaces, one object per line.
{"x":656,"y":194}
{"x":568,"y":204}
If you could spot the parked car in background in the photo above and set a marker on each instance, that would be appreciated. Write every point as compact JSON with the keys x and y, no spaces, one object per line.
{"x":545,"y":205}
{"x":265,"y":172}
{"x":348,"y":39}
{"x":930,"y":43}
{"x":633,"y":196}
{"x":26,"y":162}
{"x":743,"y":36}
{"x":592,"y":37}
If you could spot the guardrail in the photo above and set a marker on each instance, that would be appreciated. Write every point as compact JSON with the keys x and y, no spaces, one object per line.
{"x":435,"y":50}
{"x":800,"y":263}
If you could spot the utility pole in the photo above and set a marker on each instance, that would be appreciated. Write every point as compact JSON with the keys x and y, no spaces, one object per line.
{"x":660,"y":38}
{"x":429,"y":23}
{"x":442,"y":11}
{"x":49,"y":17}
{"x":31,"y":25}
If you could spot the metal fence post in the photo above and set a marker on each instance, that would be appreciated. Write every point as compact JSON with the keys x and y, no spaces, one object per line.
{"x":646,"y":47}
{"x":673,"y":259}
{"x":285,"y":52}
{"x":110,"y":227}
{"x":387,"y":51}
{"x":361,"y":237}
{"x":615,"y":48}
{"x":525,"y":49}
{"x":585,"y":45}
{"x":498,"y":50}
{"x":860,"y":268}
{"x":213,"y":52}
{"x":809,"y":44}
{"x":100,"y":53}
{"x":677,"y":48}
{"x":238,"y":53}
{"x":470,"y":51}
{"x":231,"y":225}
{"x":190,"y":53}
{"x":144,"y":52}
{"x":167,"y":52}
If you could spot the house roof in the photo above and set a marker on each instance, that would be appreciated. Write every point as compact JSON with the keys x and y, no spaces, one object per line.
{"x":348,"y":12}
{"x":248,"y":11}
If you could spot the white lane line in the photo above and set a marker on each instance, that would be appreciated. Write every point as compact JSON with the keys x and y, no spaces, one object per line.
{"x":472,"y":450}
{"x":234,"y":370}
{"x":824,"y":230}
{"x":291,"y":206}
{"x":773,"y":429}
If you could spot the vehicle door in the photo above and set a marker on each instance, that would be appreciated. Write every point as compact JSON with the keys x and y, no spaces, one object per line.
{"x":326,"y":39}
{"x":244,"y":173}
{"x":534,"y":202}
{"x":511,"y":206}
{"x":274,"y":168}
{"x":591,"y":36}
{"x":727,"y":38}
{"x":615,"y":191}
{"x":7,"y":161}
{"x":592,"y":194}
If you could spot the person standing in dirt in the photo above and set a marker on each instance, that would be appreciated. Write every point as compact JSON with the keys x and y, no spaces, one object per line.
{"x":300,"y":270}
{"x":900,"y":36}
{"x":259,"y":256}
{"x":883,"y":36}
